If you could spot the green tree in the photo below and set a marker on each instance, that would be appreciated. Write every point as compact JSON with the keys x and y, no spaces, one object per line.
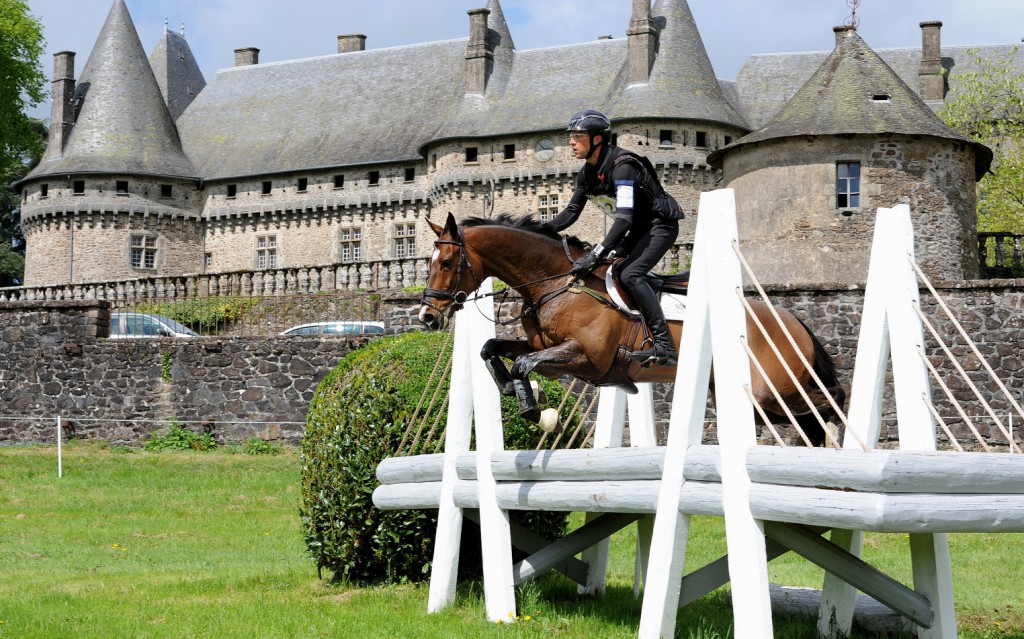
{"x":22,"y":138}
{"x":988,"y":106}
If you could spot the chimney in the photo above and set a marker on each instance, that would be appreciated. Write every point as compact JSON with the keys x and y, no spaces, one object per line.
{"x":842,"y":31}
{"x":62,"y":108}
{"x":479,"y":57}
{"x":930,"y":79}
{"x":351,"y":42}
{"x":247,"y":56}
{"x":642,"y":41}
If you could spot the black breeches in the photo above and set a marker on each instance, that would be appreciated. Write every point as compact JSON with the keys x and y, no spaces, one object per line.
{"x":646,"y":251}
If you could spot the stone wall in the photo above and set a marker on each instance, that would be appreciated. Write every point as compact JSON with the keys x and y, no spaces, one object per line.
{"x":55,"y":361}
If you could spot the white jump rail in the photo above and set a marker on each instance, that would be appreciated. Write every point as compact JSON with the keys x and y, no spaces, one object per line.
{"x":774,"y":499}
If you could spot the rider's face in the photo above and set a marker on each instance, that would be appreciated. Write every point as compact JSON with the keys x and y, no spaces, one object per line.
{"x":579,"y":142}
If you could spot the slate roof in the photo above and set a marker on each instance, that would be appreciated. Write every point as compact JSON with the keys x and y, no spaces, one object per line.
{"x":855,"y":92}
{"x":123,"y":125}
{"x":176,"y":72}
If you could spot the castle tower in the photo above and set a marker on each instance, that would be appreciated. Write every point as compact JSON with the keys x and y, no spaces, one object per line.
{"x":176,"y":71}
{"x":119,"y":199}
{"x":854,"y":138}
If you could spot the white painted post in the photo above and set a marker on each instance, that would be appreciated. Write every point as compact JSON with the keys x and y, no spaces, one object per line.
{"x":495,"y":533}
{"x":610,"y":422}
{"x":445,"y":565}
{"x":686,"y":426}
{"x":60,"y":452}
{"x":748,"y":560}
{"x":642,"y":432}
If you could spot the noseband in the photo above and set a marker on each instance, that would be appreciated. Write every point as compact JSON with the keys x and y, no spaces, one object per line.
{"x":458,"y":297}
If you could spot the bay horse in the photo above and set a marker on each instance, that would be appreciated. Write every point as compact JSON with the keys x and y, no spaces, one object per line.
{"x":583,"y":335}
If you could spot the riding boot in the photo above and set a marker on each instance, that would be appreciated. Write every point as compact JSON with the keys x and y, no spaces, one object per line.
{"x":663,"y":350}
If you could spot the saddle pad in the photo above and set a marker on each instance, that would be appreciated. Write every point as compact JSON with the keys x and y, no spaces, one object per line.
{"x":674,"y":306}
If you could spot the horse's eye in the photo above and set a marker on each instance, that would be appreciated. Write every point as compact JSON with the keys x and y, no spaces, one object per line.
{"x":446,"y":263}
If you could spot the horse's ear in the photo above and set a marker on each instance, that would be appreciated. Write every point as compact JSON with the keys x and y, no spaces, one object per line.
{"x":437,"y":229}
{"x":451,"y":227}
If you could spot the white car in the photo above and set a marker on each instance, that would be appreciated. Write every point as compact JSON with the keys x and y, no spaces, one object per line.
{"x":131,"y":325}
{"x":337,"y":328}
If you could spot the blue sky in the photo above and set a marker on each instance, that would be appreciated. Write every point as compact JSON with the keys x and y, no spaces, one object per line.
{"x":732,"y":30}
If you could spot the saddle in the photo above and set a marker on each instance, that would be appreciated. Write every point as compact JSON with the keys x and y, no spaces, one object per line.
{"x":671,"y":290}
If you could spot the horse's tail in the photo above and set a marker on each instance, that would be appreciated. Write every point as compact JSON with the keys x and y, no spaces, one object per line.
{"x":825,"y":368}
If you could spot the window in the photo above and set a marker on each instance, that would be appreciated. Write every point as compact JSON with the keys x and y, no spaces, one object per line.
{"x":78,"y":187}
{"x":302,"y":185}
{"x":44,"y":190}
{"x":847,"y":185}
{"x":339,"y":181}
{"x":433,"y":161}
{"x":410,"y":174}
{"x":665,"y":138}
{"x":165,"y":190}
{"x":702,"y":139}
{"x":472,"y":155}
{"x":143,"y":251}
{"x":232,"y":190}
{"x":374,"y":178}
{"x":122,"y":187}
{"x":266,"y":187}
{"x":510,"y":151}
{"x":405,"y":240}
{"x":548,"y":206}
{"x":728,"y":140}
{"x":266,"y":251}
{"x":208,"y":259}
{"x":351,"y":245}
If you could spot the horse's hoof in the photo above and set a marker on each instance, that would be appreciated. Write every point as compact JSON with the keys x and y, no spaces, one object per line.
{"x":531,"y":414}
{"x":508,"y":390}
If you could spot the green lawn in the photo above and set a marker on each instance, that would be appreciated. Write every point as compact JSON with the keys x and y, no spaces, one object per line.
{"x":178,"y":545}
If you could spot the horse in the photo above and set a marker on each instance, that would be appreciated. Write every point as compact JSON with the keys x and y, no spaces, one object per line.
{"x":584,"y":335}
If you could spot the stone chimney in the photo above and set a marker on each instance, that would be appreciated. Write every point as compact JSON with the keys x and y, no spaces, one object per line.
{"x":479,"y":57}
{"x":930,"y":79}
{"x":842,"y":31}
{"x":62,"y":107}
{"x":247,"y":56}
{"x":642,"y":40}
{"x":351,"y":42}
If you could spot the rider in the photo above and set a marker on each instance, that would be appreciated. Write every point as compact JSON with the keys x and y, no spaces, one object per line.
{"x":637,"y":233}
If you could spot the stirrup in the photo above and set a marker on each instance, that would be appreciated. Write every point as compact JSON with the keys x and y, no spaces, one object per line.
{"x":658,"y":354}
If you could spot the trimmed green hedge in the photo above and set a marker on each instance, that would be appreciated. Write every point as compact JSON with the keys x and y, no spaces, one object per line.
{"x":356,"y":419}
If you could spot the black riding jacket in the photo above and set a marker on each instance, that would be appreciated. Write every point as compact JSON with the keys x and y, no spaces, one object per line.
{"x":616,"y":192}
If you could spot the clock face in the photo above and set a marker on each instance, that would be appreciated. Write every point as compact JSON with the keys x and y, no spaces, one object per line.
{"x":544,"y":150}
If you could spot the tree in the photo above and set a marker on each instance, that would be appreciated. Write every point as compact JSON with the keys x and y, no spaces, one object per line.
{"x":988,"y":106}
{"x":22,"y":138}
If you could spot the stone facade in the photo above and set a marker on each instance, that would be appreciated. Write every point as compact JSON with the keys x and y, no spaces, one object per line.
{"x":794,"y":232}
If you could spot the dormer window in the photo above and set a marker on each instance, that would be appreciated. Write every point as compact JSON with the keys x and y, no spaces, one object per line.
{"x":882,"y":97}
{"x":122,"y":187}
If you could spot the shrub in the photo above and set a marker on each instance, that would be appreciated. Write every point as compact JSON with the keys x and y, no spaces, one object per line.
{"x":357,"y":418}
{"x":179,"y":438}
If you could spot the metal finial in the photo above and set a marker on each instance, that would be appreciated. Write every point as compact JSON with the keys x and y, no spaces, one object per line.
{"x":853,"y":21}
{"x":183,"y":29}
{"x":165,"y":25}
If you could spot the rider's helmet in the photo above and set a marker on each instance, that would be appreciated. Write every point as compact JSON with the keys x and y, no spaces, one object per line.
{"x":592,"y":122}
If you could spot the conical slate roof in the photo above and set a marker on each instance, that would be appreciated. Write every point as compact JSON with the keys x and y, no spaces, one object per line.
{"x":176,"y":72}
{"x":123,"y":124}
{"x":682,"y":83}
{"x":855,"y":92}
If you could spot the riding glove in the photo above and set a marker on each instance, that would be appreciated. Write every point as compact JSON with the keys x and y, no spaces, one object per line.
{"x":587,"y":263}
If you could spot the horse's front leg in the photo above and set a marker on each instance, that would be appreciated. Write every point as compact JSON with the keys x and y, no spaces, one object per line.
{"x":493,"y":352}
{"x":567,"y":358}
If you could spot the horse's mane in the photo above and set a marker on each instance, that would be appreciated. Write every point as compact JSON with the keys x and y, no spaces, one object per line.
{"x":524,"y":223}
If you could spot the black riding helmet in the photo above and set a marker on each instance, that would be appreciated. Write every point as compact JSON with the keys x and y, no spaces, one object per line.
{"x":593,"y":123}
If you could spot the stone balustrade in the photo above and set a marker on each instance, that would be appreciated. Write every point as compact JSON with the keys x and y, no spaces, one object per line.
{"x":1007,"y":255}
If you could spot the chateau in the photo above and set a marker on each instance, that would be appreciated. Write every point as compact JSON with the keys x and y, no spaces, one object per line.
{"x":151,"y":171}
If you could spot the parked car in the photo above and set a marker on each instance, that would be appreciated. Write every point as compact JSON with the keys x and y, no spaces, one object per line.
{"x":124,"y":325}
{"x":337,"y":328}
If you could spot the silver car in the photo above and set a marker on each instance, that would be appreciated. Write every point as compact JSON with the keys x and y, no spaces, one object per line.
{"x":131,"y":325}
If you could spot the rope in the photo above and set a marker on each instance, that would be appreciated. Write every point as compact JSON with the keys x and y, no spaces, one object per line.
{"x":775,"y":393}
{"x":583,"y":419}
{"x":767,"y":422}
{"x":426,"y":387}
{"x":952,"y":400}
{"x":963,"y":374}
{"x":792,"y":342}
{"x":942,"y":424}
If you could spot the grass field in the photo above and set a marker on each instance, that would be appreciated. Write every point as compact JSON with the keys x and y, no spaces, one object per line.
{"x":207,"y":545}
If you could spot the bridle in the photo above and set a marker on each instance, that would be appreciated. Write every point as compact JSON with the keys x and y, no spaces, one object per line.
{"x":458,"y":297}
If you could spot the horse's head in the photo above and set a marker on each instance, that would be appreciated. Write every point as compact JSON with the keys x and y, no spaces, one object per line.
{"x":451,"y":278}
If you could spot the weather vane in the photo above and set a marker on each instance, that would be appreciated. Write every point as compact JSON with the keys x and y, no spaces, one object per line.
{"x":853,"y":20}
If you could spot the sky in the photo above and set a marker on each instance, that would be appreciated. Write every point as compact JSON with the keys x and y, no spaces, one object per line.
{"x":732,"y":30}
